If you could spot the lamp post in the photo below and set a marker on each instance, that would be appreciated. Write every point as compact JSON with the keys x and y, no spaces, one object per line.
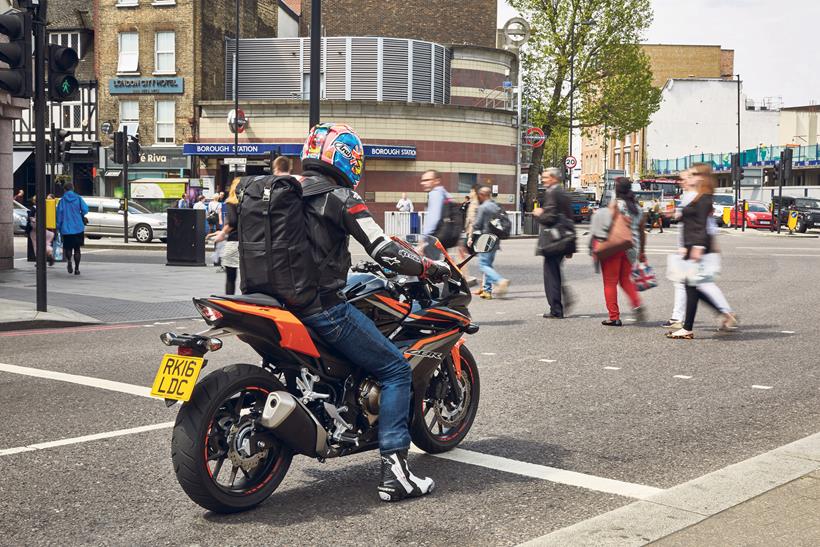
{"x":315,"y":58}
{"x":236,"y":87}
{"x":586,"y":23}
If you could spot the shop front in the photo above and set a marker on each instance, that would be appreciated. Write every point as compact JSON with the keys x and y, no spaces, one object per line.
{"x":161,"y":177}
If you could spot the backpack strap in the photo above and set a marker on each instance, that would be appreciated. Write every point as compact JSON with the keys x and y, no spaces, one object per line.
{"x":266,"y":192}
{"x":314,"y":186}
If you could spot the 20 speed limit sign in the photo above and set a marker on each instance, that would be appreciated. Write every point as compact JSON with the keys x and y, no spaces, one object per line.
{"x":570,"y":162}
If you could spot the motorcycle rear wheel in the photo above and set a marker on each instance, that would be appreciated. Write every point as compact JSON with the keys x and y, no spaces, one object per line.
{"x":215,"y":428}
{"x":440,"y":424}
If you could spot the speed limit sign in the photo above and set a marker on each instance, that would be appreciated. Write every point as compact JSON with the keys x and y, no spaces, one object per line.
{"x":570,"y":162}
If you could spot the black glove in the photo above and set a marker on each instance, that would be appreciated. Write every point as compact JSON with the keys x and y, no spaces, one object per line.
{"x":435,"y":271}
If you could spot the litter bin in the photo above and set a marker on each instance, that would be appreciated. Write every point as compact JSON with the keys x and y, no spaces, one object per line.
{"x":414,"y":223}
{"x":186,"y":237}
{"x":529,"y":224}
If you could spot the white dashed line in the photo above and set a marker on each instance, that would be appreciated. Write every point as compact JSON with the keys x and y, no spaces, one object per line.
{"x":86,"y":438}
{"x":547,"y":360}
{"x":682,"y":377}
{"x":500,"y":313}
{"x":488,"y":354}
{"x":110,"y":385}
{"x":584,"y":316}
{"x":761,"y":387}
{"x":612,"y":368}
{"x":787,"y":332}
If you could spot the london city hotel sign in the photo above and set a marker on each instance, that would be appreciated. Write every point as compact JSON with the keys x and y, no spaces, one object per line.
{"x":152,"y":86}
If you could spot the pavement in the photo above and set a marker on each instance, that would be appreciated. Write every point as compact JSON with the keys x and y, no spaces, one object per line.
{"x":585,"y":435}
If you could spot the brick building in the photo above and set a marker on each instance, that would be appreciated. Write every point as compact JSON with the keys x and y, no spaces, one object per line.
{"x":156,"y":60}
{"x":667,"y":62}
{"x":443,"y":21}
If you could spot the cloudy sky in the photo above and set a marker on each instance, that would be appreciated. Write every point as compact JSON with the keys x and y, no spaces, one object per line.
{"x":775,"y":42}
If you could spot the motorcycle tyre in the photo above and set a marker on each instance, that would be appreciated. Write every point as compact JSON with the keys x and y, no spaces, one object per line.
{"x":190,"y":430}
{"x":418,"y":429}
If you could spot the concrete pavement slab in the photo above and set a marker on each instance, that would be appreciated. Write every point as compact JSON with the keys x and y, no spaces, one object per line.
{"x":17,"y":314}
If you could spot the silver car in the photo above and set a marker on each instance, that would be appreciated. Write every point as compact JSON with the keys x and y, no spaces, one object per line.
{"x":105,"y":219}
{"x":20,"y":218}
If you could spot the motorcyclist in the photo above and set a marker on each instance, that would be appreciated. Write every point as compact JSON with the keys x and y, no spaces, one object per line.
{"x":333,"y":161}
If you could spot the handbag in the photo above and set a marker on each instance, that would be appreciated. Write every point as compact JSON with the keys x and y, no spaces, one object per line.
{"x":643,"y":276}
{"x":58,"y":248}
{"x":557,"y":240}
{"x":692,"y":273}
{"x":619,"y":238}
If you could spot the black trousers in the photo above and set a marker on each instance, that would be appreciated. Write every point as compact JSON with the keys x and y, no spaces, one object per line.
{"x":693,"y":295}
{"x":552,"y":283}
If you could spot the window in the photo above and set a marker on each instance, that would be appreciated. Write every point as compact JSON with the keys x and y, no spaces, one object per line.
{"x":627,"y":163}
{"x":466,"y":181}
{"x":129,"y":43}
{"x":164,"y":3}
{"x":166,"y":118}
{"x":71,"y":115}
{"x":67,"y":39}
{"x":617,"y":160}
{"x":127,"y":3}
{"x":165,"y":53}
{"x":130,"y":116}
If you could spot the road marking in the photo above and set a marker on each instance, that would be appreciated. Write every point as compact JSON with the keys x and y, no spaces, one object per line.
{"x":547,"y":360}
{"x":164,"y":322}
{"x":584,"y":316}
{"x":86,"y":438}
{"x":612,"y":368}
{"x":761,"y":387}
{"x":110,"y":385}
{"x":551,"y":474}
{"x":488,"y":354}
{"x":500,"y":313}
{"x":67,"y":330}
{"x":682,"y":377}
{"x":787,"y":332}
{"x":780,"y":248}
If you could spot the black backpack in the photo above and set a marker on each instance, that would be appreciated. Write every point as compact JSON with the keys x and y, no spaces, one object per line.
{"x":451,"y":225}
{"x":500,"y":224}
{"x":275,"y":252}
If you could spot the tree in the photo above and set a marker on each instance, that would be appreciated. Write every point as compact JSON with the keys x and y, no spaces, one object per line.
{"x":598,"y":41}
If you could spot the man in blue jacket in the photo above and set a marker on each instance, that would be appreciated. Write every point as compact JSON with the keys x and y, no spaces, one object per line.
{"x":71,"y":211}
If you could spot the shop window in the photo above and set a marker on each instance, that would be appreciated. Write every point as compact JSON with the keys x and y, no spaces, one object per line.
{"x":165,"y":53}
{"x":67,"y":39}
{"x":466,"y":181}
{"x":129,"y":44}
{"x":130,"y":116}
{"x":165,"y":116}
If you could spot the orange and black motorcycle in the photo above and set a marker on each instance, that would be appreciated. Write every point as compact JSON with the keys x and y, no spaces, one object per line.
{"x":240,"y":426}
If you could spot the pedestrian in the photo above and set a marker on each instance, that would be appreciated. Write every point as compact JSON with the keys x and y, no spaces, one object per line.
{"x":492,"y":280}
{"x":617,"y":268}
{"x":699,"y":247}
{"x":19,"y":197}
{"x":404,"y":205}
{"x":557,"y":212}
{"x":71,"y":221}
{"x":437,"y":196}
{"x":213,"y":214}
{"x":282,"y":166}
{"x":228,"y":239}
{"x":31,"y":230}
{"x":182,"y":203}
{"x":469,"y":209}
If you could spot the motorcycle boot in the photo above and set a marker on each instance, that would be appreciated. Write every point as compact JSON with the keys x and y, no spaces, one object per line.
{"x":398,"y":482}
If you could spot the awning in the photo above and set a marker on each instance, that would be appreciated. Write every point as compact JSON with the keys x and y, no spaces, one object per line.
{"x":20,"y":158}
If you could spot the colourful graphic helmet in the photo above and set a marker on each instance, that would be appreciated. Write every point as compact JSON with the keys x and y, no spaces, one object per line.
{"x":336,"y":148}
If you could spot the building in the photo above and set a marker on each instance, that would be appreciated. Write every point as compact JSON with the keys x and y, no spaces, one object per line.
{"x":287,"y":18}
{"x":157,"y":60}
{"x":667,"y":62}
{"x":400,"y":96}
{"x":71,"y":24}
{"x":464,"y":23}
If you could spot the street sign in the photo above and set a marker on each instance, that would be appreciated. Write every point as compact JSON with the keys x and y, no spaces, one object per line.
{"x":516,"y":31}
{"x":235,"y":161}
{"x":570,"y":162}
{"x":535,"y":137}
{"x":236,"y":168}
{"x":237,"y":121}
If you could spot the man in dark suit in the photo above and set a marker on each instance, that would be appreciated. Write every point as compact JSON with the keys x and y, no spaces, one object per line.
{"x":556,"y":208}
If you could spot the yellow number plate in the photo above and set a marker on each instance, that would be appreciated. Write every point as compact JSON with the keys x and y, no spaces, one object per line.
{"x":176,"y":377}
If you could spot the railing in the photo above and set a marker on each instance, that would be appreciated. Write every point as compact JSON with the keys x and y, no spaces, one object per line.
{"x":397,"y":223}
{"x":804,"y":156}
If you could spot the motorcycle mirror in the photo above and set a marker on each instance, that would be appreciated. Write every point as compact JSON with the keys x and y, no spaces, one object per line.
{"x":485,"y":243}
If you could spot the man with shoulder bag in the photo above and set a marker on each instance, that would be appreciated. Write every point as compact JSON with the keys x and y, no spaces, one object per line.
{"x":556,"y":240}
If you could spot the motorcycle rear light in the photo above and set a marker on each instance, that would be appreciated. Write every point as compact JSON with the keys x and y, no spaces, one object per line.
{"x":186,"y":351}
{"x":210,"y":314}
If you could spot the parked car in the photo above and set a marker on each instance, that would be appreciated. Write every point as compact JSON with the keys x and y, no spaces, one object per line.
{"x":758,"y":216}
{"x":581,"y":211}
{"x":105,"y":219}
{"x":19,"y":218}
{"x":808,"y":210}
{"x":722,"y":202}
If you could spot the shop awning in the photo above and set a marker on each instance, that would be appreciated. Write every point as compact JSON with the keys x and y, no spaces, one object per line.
{"x":20,"y":158}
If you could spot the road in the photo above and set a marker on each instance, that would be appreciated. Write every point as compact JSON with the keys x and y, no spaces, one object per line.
{"x":627,"y":412}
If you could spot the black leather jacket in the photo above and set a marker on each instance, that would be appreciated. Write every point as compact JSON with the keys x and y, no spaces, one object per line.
{"x":337,"y":214}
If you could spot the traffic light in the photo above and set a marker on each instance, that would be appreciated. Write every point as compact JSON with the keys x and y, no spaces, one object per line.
{"x":134,"y":149}
{"x":786,"y":160}
{"x":62,"y":62}
{"x":773,"y":178}
{"x":119,"y":147}
{"x":17,"y":79}
{"x":63,"y":145}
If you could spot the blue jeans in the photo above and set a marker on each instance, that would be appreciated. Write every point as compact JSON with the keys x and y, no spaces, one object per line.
{"x":485,"y":264}
{"x":350,"y":332}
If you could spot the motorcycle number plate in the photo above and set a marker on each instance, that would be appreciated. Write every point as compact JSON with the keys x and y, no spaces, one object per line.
{"x":176,"y":377}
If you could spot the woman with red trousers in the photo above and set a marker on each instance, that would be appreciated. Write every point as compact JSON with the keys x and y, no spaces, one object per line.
{"x":617,"y":269}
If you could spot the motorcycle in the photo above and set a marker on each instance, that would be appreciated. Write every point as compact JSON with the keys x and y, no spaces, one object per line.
{"x":239,"y":427}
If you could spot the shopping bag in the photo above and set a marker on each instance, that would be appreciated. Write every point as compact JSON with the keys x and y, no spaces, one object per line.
{"x":690,"y":272}
{"x":58,"y":248}
{"x":643,"y":276}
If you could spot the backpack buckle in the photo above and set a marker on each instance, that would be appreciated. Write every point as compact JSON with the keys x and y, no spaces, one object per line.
{"x":266,"y":194}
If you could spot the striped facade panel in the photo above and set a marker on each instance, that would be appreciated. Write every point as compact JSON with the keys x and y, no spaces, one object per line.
{"x":335,"y":68}
{"x":422,"y":70}
{"x":268,"y":68}
{"x":438,"y":75}
{"x":364,"y":71}
{"x":395,"y":57}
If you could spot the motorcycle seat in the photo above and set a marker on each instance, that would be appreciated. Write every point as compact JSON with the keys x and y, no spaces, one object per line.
{"x":256,"y":299}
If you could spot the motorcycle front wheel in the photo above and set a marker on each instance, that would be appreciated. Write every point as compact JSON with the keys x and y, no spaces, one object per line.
{"x":442,"y":417}
{"x":221,"y":459}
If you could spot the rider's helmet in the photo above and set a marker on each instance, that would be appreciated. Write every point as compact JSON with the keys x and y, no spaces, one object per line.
{"x":335,"y":148}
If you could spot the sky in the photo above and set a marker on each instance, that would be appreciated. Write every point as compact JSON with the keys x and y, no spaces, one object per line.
{"x":774,"y":40}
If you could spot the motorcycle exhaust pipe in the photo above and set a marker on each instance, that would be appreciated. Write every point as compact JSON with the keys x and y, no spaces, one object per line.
{"x":291,"y":422}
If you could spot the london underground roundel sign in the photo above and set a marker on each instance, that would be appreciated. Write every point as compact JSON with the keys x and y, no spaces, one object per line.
{"x":535,"y":137}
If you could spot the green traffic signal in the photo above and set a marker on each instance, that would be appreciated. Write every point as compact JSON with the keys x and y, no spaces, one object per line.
{"x":62,"y":62}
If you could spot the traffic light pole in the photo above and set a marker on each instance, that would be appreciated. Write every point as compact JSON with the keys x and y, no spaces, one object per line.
{"x":125,"y":192}
{"x":315,"y":58}
{"x":39,"y":28}
{"x":53,"y":159}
